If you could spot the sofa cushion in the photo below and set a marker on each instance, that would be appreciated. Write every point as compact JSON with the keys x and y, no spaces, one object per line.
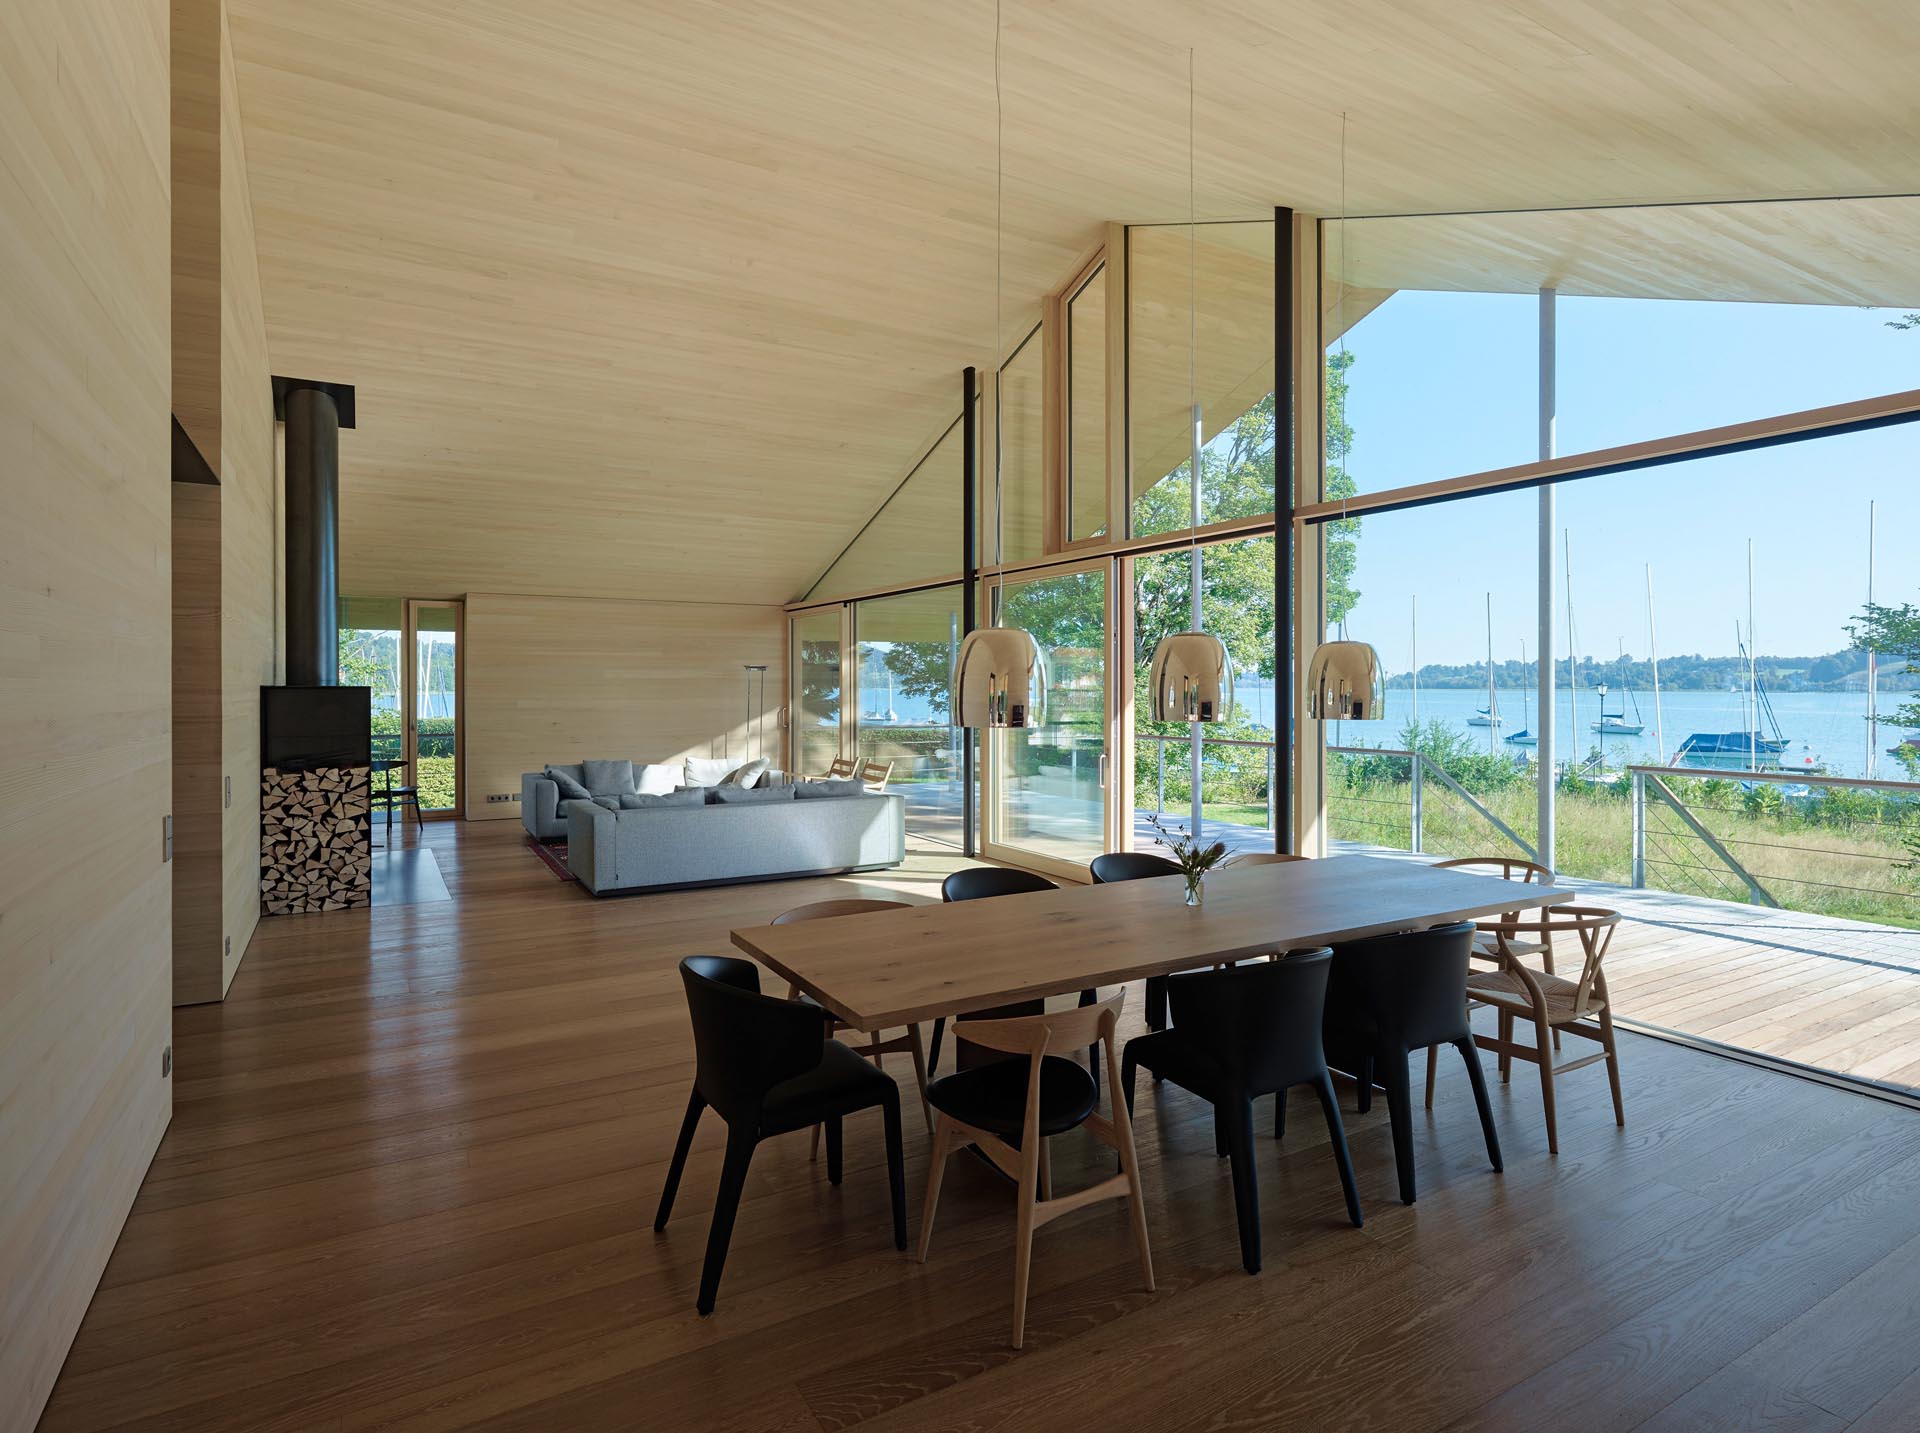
{"x":608,"y":778}
{"x":748,"y":775}
{"x":747,"y":795}
{"x":644,"y":800}
{"x":815,"y":790}
{"x":708,"y":771}
{"x":568,"y":779}
{"x":568,"y":803}
{"x":656,"y":779}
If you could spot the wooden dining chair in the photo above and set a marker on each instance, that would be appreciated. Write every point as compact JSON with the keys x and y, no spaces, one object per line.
{"x":1552,"y":1003}
{"x":876,"y":1046}
{"x":875,"y":774}
{"x":1112,"y":867}
{"x":765,"y":1066}
{"x":1511,"y":868}
{"x":979,"y":883}
{"x":842,"y":768}
{"x":1010,"y":1108}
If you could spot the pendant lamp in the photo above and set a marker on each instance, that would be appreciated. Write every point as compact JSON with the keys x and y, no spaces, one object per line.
{"x":1191,"y":673}
{"x":1000,"y":673}
{"x":1344,"y":683}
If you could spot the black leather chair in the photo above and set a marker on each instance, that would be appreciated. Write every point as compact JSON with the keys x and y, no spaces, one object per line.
{"x":767,"y":1067}
{"x":1395,"y":994}
{"x":979,"y":883}
{"x":1239,"y":1033}
{"x":1138,"y":866}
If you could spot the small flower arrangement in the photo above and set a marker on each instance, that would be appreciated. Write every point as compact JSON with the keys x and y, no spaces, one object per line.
{"x":1193,"y":859}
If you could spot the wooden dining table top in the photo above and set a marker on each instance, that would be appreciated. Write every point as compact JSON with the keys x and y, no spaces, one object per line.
{"x":887,"y":968}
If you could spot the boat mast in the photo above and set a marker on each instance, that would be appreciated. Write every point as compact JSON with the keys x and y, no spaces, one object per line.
{"x":1653,"y":647}
{"x":1416,"y":661}
{"x":1753,"y":672}
{"x":1873,"y":668}
{"x":1573,"y":657}
{"x":1493,"y":700}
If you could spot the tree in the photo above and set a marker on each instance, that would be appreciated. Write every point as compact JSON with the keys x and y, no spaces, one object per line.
{"x":1892,"y":631}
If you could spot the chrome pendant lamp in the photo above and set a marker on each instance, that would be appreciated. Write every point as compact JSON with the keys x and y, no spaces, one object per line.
{"x":1000,"y":673}
{"x":1191,"y":673}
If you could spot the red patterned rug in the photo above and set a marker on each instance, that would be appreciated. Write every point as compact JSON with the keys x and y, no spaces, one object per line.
{"x":553,"y":857}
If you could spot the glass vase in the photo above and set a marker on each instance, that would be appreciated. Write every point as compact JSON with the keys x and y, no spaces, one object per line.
{"x":1196,"y":887}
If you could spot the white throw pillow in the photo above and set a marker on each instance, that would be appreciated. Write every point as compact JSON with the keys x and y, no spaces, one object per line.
{"x":655,"y":780}
{"x":748,"y":776}
{"x":709,"y":771}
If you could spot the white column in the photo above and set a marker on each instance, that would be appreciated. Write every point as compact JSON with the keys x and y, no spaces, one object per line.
{"x":1544,"y":718}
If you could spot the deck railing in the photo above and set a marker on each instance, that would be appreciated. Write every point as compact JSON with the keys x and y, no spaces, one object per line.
{"x":1160,"y":745}
{"x":1384,"y":822}
{"x":1835,"y":844}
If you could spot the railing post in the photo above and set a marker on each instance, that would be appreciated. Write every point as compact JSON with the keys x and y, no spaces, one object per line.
{"x":1419,"y":811}
{"x":1639,"y":830}
{"x":1270,"y":758}
{"x":1160,"y":759}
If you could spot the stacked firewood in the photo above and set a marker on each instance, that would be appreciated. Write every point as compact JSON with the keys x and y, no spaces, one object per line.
{"x":315,"y":842}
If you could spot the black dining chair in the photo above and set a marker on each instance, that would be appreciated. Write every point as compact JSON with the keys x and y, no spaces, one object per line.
{"x":1239,"y":1033}
{"x":1138,"y":866}
{"x":980,"y":883}
{"x":1394,"y":994}
{"x":766,"y":1066}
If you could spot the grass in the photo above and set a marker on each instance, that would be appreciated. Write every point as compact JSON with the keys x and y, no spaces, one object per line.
{"x":1824,"y":870}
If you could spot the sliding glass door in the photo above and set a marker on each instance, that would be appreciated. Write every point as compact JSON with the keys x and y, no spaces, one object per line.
{"x":433,"y":704}
{"x":1046,"y":786}
{"x":819,"y":688}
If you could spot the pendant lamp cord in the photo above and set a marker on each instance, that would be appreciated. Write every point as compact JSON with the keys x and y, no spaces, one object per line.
{"x":999,"y":244}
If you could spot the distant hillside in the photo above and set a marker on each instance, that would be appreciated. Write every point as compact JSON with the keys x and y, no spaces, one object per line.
{"x":1687,"y":672}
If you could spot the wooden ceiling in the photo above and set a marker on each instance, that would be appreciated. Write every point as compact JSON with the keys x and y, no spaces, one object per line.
{"x":659,"y":299}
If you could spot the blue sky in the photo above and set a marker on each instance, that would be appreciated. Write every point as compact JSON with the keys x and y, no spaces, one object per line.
{"x":1444,"y":384}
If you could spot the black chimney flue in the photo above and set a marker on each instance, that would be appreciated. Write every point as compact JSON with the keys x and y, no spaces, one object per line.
{"x":313,"y":537}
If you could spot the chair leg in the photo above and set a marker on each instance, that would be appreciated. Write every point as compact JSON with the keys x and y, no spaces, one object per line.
{"x":1046,"y":1170}
{"x":1613,"y":1065}
{"x":936,"y":1171}
{"x":1400,"y":1113}
{"x":1280,"y":1114}
{"x":1544,"y":1043}
{"x":726,"y":1204}
{"x":1023,"y":1238}
{"x":833,"y":1150}
{"x":1506,"y":1038}
{"x":1478,"y":1079}
{"x":1130,"y":1166}
{"x":1365,"y":1072}
{"x":695,"y":1106}
{"x":1156,"y":1002}
{"x":920,"y":1074}
{"x":1433,"y":1056}
{"x":1221,"y":1147}
{"x":1337,"y":1137}
{"x":1129,"y":1067}
{"x":813,"y":1149}
{"x":896,"y":1169}
{"x":1246,"y":1182}
{"x":1092,"y":997}
{"x":933,"y":1049}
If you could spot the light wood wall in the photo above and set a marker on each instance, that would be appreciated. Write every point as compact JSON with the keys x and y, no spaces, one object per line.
{"x":250,"y":526}
{"x":558,"y":679}
{"x":85,"y":579}
{"x":198,"y":722}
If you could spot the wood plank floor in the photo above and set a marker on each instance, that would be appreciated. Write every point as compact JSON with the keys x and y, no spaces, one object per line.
{"x":414,"y":1159}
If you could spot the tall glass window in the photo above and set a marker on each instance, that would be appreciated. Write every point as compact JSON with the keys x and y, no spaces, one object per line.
{"x":1086,"y":465}
{"x":1200,"y":307}
{"x":906,"y":648}
{"x":1022,"y":458}
{"x":817,"y":690}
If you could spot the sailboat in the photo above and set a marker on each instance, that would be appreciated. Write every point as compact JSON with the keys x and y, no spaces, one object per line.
{"x":1488,"y":715}
{"x":1523,"y":737}
{"x":1616,"y":723}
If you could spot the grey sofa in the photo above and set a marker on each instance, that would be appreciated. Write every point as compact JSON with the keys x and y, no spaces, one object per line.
{"x":663,"y":848}
{"x":544,"y":813}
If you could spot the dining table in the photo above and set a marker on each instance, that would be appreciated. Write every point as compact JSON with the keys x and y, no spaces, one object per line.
{"x":886,"y":968}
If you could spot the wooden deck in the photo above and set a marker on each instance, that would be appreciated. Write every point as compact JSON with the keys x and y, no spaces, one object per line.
{"x":1839,"y":995}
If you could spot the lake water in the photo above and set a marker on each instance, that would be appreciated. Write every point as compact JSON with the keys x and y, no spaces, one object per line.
{"x":1825,"y":729}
